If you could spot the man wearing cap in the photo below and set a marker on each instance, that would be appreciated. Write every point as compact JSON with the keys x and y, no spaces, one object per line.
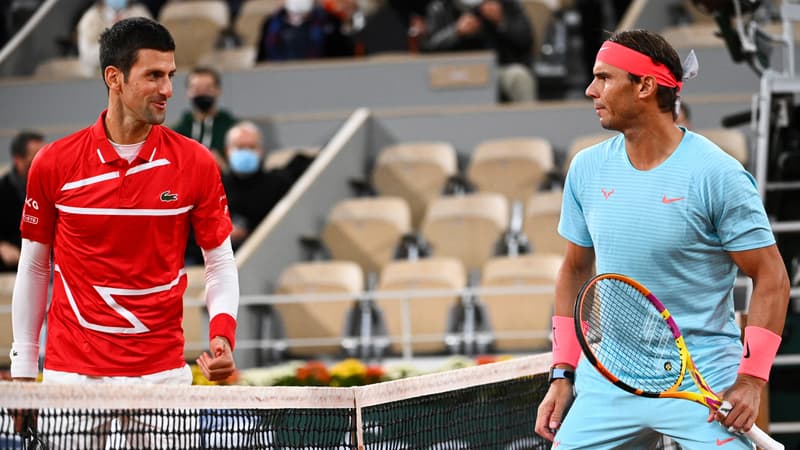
{"x":670,"y":209}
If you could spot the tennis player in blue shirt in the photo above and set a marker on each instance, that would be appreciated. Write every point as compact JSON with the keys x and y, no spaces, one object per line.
{"x":670,"y":209}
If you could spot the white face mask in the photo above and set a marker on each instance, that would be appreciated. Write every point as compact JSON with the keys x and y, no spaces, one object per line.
{"x":299,"y":6}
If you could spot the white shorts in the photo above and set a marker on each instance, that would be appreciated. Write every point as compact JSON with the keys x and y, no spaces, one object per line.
{"x":78,"y":430}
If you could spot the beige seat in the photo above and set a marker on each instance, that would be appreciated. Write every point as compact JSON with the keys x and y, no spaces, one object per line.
{"x":195,"y":316}
{"x":251,"y":18}
{"x":428,"y":314}
{"x":466,"y":227}
{"x":65,"y":68}
{"x":279,"y":158}
{"x":6,"y":338}
{"x":514,"y":167}
{"x":513,"y":315}
{"x":540,"y":13}
{"x":542,"y":213}
{"x":580,"y":143}
{"x":195,"y":27}
{"x":366,"y":230}
{"x":318,"y":319}
{"x":731,"y":140}
{"x":229,"y":59}
{"x":416,"y":172}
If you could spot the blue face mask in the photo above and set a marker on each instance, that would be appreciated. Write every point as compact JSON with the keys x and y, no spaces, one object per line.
{"x":244,"y":161}
{"x":117,"y":5}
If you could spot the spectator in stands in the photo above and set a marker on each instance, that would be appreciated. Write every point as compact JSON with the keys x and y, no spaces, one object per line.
{"x":101,"y":15}
{"x":206,"y":122}
{"x":302,"y":29}
{"x":252,"y":191}
{"x":684,"y":116}
{"x":500,"y":25}
{"x":12,"y":196}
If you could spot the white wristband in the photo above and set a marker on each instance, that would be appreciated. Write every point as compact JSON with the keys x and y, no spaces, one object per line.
{"x":24,"y":360}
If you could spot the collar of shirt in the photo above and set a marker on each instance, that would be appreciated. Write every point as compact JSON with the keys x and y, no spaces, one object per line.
{"x":108,"y":154}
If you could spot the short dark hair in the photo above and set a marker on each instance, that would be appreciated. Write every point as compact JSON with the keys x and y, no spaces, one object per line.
{"x":660,"y":51}
{"x":205,"y":70}
{"x":120,"y":44}
{"x":19,"y":145}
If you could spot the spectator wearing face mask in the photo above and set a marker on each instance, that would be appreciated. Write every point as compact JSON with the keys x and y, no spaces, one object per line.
{"x":302,"y":29}
{"x":252,"y":191}
{"x":206,"y":122}
{"x":101,"y":15}
{"x":499,"y":25}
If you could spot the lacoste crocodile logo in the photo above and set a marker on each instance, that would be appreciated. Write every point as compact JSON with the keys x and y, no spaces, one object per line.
{"x":167,"y":196}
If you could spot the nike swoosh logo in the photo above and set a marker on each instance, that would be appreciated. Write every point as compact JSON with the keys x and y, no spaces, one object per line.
{"x":747,"y":351}
{"x":666,"y":200}
{"x":721,"y":442}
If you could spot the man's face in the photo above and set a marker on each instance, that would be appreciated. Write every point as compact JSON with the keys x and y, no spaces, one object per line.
{"x":201,"y":84}
{"x":245,"y":139}
{"x":613,"y":95}
{"x":145,"y":92}
{"x":23,"y":164}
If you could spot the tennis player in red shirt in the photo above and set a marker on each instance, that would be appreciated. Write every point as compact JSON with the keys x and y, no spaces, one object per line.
{"x":113,"y":204}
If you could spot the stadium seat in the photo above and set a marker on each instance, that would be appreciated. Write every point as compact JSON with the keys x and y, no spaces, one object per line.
{"x":6,"y":338}
{"x":251,"y":18}
{"x":279,"y":158}
{"x":195,"y":316}
{"x":366,"y":230}
{"x":318,"y":319}
{"x":416,"y":172}
{"x":466,"y":227}
{"x":523,"y":312}
{"x":230,"y":59}
{"x":580,"y":143}
{"x":428,"y":315}
{"x":542,"y":213}
{"x":65,"y":68}
{"x":539,"y":13}
{"x":731,"y":140}
{"x":514,"y":167}
{"x":195,"y":27}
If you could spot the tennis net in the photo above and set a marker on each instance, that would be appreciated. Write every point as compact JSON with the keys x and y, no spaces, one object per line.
{"x":491,"y":406}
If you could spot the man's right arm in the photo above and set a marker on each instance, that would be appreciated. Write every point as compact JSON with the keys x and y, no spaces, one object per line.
{"x":28,"y":306}
{"x":577,"y":268}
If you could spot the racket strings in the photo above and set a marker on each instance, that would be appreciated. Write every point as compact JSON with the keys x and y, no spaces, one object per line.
{"x":628,"y":336}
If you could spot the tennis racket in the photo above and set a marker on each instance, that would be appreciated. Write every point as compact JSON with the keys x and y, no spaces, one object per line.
{"x":633,"y":341}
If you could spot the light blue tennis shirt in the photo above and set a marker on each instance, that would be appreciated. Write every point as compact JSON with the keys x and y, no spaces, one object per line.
{"x":670,"y":228}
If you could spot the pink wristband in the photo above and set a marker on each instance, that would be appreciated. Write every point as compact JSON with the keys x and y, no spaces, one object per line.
{"x":760,"y":347}
{"x":566,"y":349}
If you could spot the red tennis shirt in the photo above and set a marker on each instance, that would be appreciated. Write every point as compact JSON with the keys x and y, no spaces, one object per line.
{"x":118,"y":232}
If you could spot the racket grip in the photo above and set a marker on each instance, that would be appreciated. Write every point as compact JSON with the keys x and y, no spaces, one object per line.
{"x":757,"y":435}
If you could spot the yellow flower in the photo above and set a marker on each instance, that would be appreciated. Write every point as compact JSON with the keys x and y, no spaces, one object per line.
{"x":350,"y":367}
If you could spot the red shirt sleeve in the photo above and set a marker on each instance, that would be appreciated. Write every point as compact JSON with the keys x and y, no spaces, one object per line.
{"x":210,"y":216}
{"x":39,"y":213}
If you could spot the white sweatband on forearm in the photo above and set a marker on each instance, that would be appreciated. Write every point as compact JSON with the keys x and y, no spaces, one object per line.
{"x":222,"y":291}
{"x":28,"y":306}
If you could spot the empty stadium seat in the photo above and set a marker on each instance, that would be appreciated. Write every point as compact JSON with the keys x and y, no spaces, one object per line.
{"x":279,"y":158}
{"x":195,"y":27}
{"x":580,"y":143}
{"x":428,"y":315}
{"x":6,"y":338}
{"x":513,"y":315}
{"x":65,"y":68}
{"x":229,"y":59}
{"x":731,"y":140}
{"x":251,"y":18}
{"x":318,"y":319}
{"x":416,"y":172}
{"x":366,"y":230}
{"x":539,"y":13}
{"x":514,"y":167}
{"x":466,"y":227}
{"x":542,"y":213}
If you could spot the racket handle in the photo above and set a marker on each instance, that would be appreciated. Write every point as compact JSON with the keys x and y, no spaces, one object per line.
{"x":757,"y":435}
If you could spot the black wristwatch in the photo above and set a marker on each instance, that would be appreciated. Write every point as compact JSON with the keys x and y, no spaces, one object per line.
{"x":556,"y":373}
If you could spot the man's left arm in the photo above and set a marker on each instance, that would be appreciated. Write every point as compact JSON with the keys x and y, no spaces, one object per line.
{"x":765,"y":319}
{"x":222,"y":301}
